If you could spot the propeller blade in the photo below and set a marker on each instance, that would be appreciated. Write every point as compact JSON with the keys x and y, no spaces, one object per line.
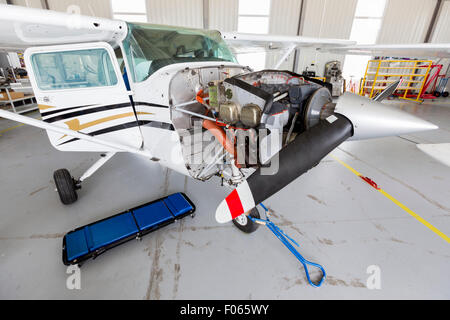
{"x":307,"y":150}
{"x":388,"y":91}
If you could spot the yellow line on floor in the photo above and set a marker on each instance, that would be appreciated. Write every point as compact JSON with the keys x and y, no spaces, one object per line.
{"x":12,"y":128}
{"x":398,"y":203}
{"x":18,"y":126}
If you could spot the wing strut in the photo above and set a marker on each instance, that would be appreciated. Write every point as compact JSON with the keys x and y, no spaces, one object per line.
{"x":285,"y":56}
{"x":72,"y":133}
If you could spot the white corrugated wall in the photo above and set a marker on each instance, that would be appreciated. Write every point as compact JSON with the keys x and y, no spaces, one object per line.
{"x":326,"y":19}
{"x":185,"y":13}
{"x":441,"y":34}
{"x":406,"y":21}
{"x":98,"y":8}
{"x":284,"y":19}
{"x":442,"y":30}
{"x":29,"y":3}
{"x":223,"y":15}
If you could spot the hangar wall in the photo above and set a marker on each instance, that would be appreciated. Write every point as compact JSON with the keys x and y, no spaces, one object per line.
{"x":321,"y":18}
{"x":284,"y":19}
{"x":31,"y":3}
{"x":223,"y":15}
{"x":186,"y":13}
{"x":408,"y":27}
{"x":326,"y":19}
{"x":99,"y":8}
{"x":442,"y":30}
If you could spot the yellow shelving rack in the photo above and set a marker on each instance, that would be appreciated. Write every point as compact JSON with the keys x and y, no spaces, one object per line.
{"x":381,"y":73}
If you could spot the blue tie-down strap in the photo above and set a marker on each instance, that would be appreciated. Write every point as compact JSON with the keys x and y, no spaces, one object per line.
{"x":287,"y":241}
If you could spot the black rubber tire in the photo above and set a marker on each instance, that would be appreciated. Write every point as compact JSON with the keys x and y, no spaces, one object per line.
{"x":445,"y":94}
{"x":65,"y":185}
{"x":250,"y":226}
{"x":437,"y":94}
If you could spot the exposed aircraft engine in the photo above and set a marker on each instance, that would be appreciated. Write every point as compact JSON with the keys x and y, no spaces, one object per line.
{"x":244,"y":118}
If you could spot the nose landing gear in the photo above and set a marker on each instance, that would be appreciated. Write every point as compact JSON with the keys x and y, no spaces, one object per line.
{"x":245,"y":224}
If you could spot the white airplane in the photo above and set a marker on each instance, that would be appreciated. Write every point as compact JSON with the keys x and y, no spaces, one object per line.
{"x":109,"y":86}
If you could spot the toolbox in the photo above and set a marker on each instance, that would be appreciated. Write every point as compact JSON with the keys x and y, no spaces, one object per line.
{"x":92,"y":240}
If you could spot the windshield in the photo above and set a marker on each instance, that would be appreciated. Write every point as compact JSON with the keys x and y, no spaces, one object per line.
{"x":152,"y":47}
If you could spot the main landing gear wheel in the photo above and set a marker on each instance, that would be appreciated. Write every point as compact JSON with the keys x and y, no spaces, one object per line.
{"x":246,"y":225}
{"x":66,"y":186}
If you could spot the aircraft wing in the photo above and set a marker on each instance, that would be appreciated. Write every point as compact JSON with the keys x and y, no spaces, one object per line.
{"x":419,"y":50}
{"x":246,"y":42}
{"x":25,"y":27}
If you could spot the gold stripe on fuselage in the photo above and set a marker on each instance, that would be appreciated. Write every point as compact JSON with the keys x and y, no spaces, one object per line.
{"x":43,"y":107}
{"x":75,"y":125}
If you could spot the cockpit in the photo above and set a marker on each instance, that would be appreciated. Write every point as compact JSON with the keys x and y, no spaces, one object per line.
{"x":152,"y":47}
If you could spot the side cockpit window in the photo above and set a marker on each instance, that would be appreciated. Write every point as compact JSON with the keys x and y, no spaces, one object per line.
{"x":74,"y":69}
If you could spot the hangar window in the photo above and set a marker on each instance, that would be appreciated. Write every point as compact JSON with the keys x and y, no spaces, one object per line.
{"x":74,"y":69}
{"x":254,"y":16}
{"x":366,"y":27}
{"x":129,"y":10}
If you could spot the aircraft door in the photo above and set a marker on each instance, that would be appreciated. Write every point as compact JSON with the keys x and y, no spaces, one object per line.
{"x":81,"y":87}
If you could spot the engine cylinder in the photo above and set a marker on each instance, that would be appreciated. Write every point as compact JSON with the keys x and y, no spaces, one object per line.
{"x":229,"y":112}
{"x":251,"y":115}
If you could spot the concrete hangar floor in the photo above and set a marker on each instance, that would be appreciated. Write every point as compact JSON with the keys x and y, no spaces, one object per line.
{"x":339,"y":220}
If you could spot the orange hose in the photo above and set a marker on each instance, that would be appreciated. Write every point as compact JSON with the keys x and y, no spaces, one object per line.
{"x":221,"y":136}
{"x":200,"y":96}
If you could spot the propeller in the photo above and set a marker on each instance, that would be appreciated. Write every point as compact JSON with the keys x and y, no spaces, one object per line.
{"x":354,"y":118}
{"x":307,"y":150}
{"x":388,"y":91}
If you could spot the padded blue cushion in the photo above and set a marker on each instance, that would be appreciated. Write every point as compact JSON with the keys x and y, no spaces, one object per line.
{"x":111,"y":230}
{"x":152,"y":215}
{"x":178,"y":204}
{"x":76,"y":245}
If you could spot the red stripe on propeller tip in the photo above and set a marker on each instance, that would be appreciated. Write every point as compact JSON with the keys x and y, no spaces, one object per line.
{"x":234,"y":204}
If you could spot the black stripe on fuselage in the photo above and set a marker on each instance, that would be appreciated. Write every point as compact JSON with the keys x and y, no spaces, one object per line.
{"x":121,"y":127}
{"x":49,"y":113}
{"x":87,"y":111}
{"x":151,"y":105}
{"x":93,"y":110}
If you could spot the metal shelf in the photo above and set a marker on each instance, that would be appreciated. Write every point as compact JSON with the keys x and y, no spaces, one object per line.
{"x":24,"y":106}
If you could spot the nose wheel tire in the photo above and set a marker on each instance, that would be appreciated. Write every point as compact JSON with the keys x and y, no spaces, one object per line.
{"x":246,"y":225}
{"x":66,"y":186}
